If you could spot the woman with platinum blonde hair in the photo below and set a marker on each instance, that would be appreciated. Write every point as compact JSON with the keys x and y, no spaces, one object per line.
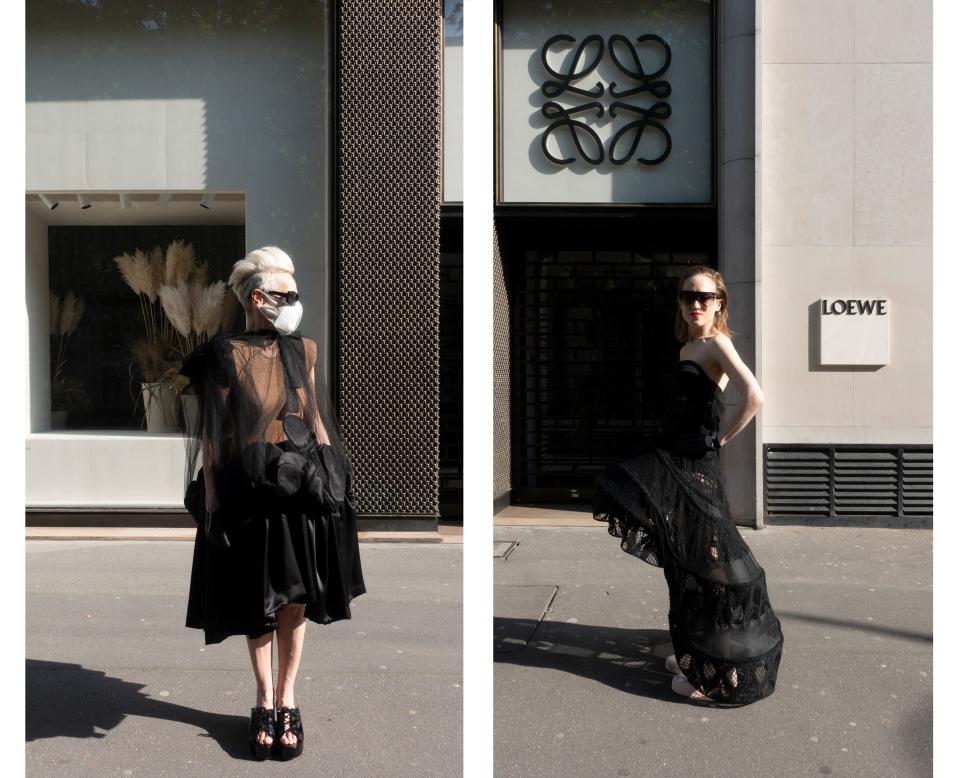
{"x":668,"y":507}
{"x":270,"y":486}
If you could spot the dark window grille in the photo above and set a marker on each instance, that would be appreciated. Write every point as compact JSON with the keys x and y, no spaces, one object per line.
{"x":451,"y":363}
{"x":846,"y":483}
{"x":592,"y":311}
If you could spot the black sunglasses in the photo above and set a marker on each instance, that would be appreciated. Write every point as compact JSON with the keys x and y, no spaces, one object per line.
{"x":285,"y":297}
{"x":702,"y":297}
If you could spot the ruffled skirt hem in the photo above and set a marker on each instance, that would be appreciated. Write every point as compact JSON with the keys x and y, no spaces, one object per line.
{"x":671,"y":513}
{"x":271,"y":562}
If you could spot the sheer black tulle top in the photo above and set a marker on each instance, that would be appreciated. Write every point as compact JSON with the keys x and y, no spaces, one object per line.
{"x":695,"y":406}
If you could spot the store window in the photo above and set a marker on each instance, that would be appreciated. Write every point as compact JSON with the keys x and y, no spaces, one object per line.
{"x":150,"y":122}
{"x":607,"y":102}
{"x":115,"y":349}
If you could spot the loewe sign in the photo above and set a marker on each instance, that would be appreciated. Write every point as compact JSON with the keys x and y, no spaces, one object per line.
{"x":853,"y":307}
{"x":854,"y":331}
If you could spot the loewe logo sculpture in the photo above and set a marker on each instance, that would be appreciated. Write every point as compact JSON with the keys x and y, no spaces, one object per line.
{"x":853,"y":307}
{"x":627,"y":137}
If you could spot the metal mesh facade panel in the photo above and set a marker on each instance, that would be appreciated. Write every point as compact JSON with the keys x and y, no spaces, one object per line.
{"x":501,"y":375}
{"x":388,"y":248}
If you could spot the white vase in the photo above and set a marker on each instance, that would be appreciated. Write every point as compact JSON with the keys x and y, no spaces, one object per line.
{"x":190,"y":410}
{"x":160,"y":407}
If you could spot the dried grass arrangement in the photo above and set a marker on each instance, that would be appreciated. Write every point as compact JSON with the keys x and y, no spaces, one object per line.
{"x":65,"y":314}
{"x":180,"y":310}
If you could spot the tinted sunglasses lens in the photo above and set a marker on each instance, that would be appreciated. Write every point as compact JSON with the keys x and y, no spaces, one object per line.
{"x":287,"y":297}
{"x":702,"y":297}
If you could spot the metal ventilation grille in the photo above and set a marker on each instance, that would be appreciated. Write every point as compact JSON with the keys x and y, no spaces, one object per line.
{"x":918,"y":482}
{"x":866,"y":482}
{"x":846,"y":482}
{"x":797,"y":482}
{"x":388,"y":249}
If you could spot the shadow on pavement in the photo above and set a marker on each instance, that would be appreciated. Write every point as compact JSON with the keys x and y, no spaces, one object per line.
{"x":630,"y":660}
{"x":862,"y":626}
{"x":915,"y":733}
{"x":67,"y":700}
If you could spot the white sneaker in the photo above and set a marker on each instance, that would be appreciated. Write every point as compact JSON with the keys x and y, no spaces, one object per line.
{"x":684,"y":688}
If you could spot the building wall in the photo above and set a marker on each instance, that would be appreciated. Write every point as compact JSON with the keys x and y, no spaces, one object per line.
{"x":122,"y":98}
{"x":453,"y":101}
{"x":845,"y":209}
{"x":198,"y":104}
{"x":736,"y":172}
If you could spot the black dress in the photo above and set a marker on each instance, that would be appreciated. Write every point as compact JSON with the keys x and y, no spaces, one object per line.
{"x":667,"y":505}
{"x":284,"y":529}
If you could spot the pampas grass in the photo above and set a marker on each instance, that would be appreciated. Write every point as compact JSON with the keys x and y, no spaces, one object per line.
{"x":135,"y":272}
{"x":158,"y":264}
{"x":65,"y":315}
{"x":196,"y":300}
{"x":209,"y":313}
{"x":71,"y":313}
{"x":180,"y":262}
{"x":54,"y":313}
{"x":176,"y":305}
{"x":195,"y":310}
{"x":180,"y":310}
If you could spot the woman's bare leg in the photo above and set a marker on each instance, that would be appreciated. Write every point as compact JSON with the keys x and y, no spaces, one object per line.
{"x":291,"y":628}
{"x":261,"y":656}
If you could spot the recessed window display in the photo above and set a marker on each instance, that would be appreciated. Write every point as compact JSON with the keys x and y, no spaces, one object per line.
{"x":126,"y":305}
{"x":610,"y":102}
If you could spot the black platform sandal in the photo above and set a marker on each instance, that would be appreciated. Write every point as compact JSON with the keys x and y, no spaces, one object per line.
{"x":261,"y":720}
{"x":288,"y":720}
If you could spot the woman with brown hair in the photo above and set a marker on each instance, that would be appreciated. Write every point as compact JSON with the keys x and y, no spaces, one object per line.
{"x":277,"y":541}
{"x":668,"y":507}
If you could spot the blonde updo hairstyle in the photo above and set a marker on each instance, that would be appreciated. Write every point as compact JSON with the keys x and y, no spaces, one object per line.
{"x":260,"y":269}
{"x":680,"y":327}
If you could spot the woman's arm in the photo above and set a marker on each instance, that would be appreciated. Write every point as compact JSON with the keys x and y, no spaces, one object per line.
{"x":751,"y":398}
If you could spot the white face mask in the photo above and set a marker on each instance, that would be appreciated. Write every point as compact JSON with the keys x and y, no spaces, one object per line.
{"x":284,"y":318}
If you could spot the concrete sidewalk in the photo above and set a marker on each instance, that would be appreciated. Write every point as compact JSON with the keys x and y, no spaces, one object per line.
{"x":581,"y":634}
{"x":116,"y":685}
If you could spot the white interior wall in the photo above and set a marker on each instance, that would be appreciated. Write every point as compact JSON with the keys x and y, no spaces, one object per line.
{"x":121,"y":99}
{"x":37,"y":304}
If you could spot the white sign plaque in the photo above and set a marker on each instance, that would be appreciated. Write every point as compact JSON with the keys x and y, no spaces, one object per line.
{"x":854,"y":331}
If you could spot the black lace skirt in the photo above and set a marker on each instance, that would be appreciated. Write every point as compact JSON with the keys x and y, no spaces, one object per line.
{"x":273,"y":560}
{"x":671,"y":511}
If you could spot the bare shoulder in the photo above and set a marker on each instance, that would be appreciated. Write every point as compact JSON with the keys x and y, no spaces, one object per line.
{"x":722,"y":349}
{"x":722,"y":340}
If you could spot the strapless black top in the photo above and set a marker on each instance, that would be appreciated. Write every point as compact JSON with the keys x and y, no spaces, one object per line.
{"x":694,"y":407}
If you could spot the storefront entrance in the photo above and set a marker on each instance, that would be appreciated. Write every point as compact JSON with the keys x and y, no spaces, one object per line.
{"x":592,"y":300}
